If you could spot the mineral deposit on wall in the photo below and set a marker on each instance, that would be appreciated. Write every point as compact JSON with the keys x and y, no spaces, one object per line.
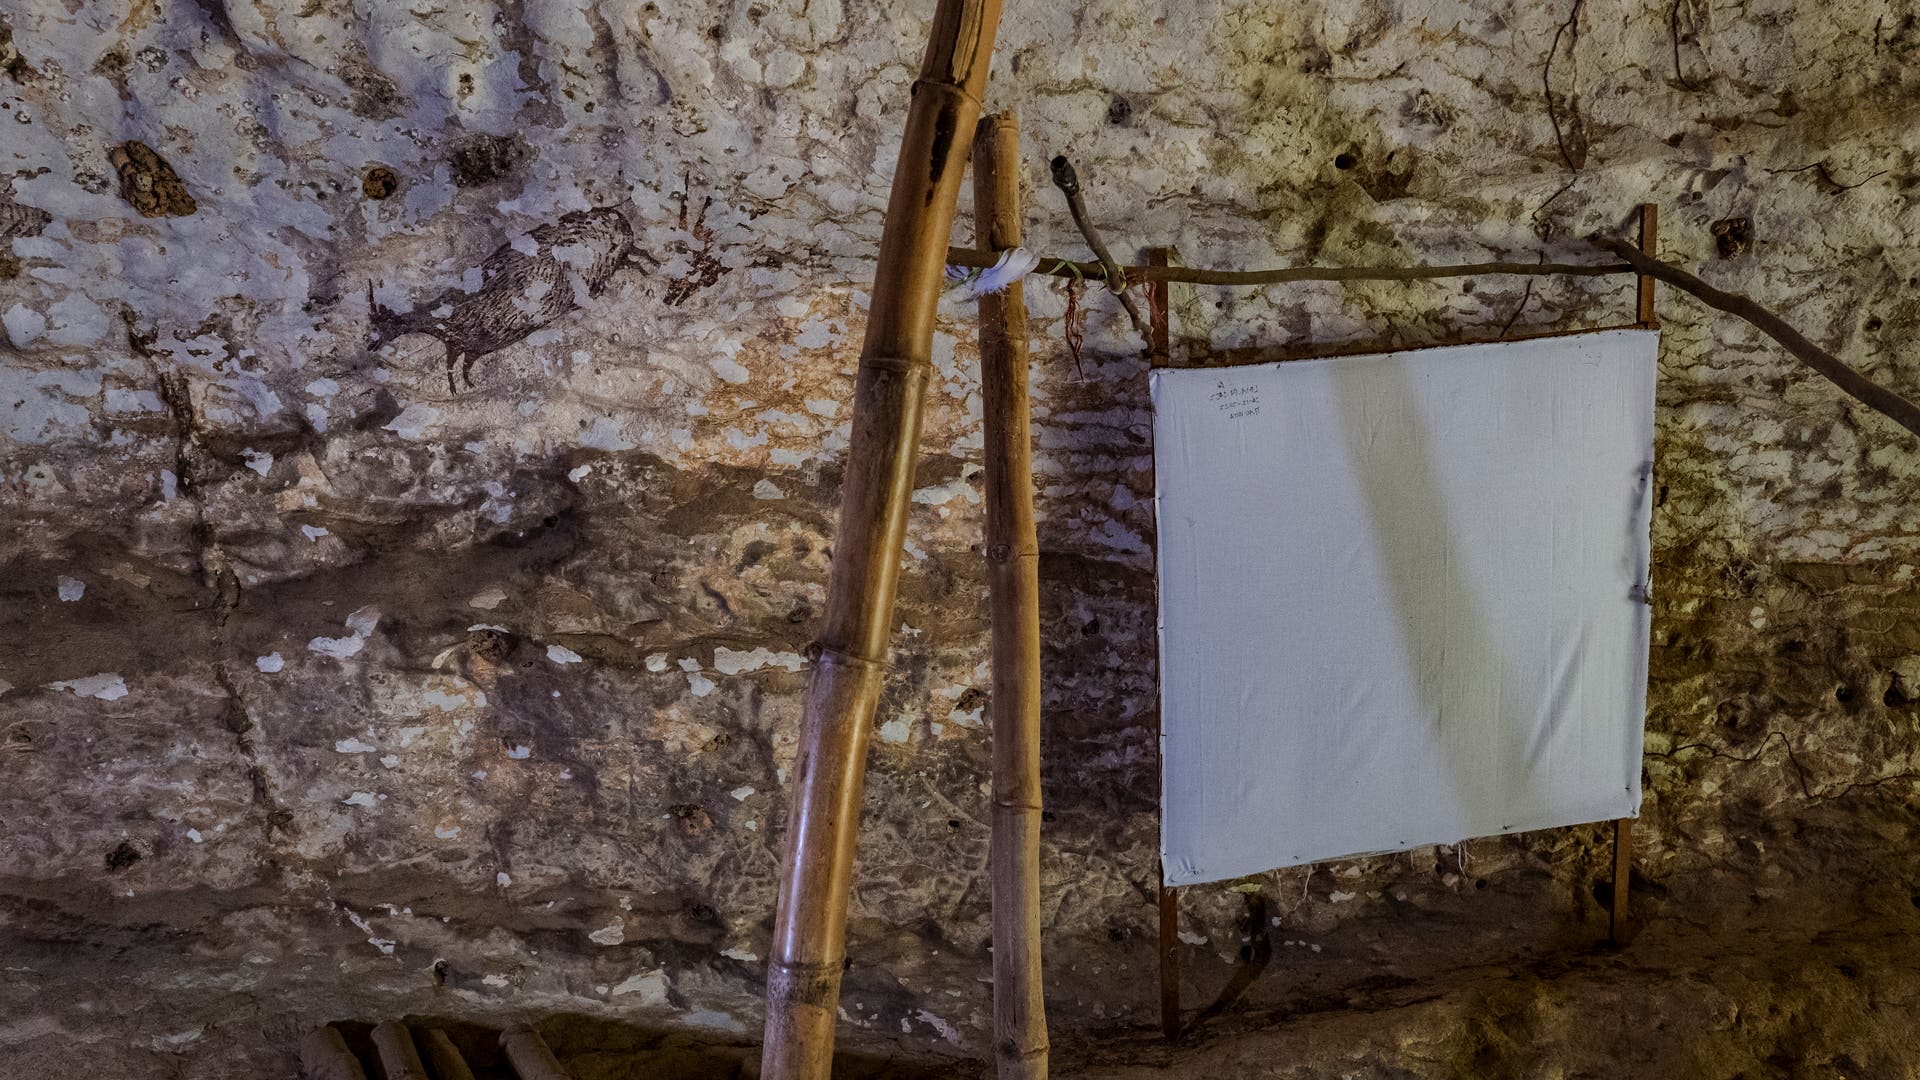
{"x":419,"y":432}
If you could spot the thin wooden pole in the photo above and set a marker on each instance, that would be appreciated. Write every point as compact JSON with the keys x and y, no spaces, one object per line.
{"x":1617,"y":929}
{"x":810,"y":924}
{"x":1013,"y":594}
{"x":1650,"y":246}
{"x":324,"y":1056}
{"x":1159,"y":355}
{"x":1285,"y":275}
{"x":1855,"y":385}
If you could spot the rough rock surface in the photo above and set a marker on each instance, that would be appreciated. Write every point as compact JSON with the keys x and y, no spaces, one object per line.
{"x":330,"y":692}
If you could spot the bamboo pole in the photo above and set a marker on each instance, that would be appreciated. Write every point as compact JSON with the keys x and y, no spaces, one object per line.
{"x":324,"y":1056}
{"x":446,"y":1059}
{"x":809,"y":936}
{"x":529,"y":1055}
{"x":398,"y":1058}
{"x":1013,"y":593}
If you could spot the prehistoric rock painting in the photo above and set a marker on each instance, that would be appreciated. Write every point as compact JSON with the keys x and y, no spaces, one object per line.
{"x":524,"y":285}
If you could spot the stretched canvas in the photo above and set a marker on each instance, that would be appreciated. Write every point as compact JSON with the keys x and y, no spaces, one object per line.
{"x":1403,"y":598}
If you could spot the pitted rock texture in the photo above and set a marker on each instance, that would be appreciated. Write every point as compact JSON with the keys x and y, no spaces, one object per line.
{"x":328,"y":691}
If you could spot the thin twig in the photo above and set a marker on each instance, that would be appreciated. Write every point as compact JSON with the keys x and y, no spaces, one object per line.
{"x":1068,"y":182}
{"x":1546,"y":84}
{"x":1518,"y":308}
{"x":1855,"y":385}
{"x":1289,"y":274}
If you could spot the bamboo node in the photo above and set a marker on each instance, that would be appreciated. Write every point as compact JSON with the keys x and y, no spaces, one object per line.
{"x":815,"y":984}
{"x":943,"y":86}
{"x":905,"y":365}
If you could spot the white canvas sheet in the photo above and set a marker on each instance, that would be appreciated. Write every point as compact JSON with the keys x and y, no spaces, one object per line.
{"x":1401,"y":598}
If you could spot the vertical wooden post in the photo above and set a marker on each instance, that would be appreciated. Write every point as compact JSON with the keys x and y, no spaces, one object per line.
{"x":1160,"y":354}
{"x":816,"y":872}
{"x":1617,"y":931}
{"x":1649,"y":243}
{"x":1013,"y":590}
{"x":1617,"y":928}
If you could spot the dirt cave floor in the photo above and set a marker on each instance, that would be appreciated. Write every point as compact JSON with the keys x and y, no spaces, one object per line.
{"x":1795,"y":983}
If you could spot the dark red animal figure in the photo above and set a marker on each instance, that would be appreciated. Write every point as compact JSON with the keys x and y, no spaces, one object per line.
{"x":524,"y":285}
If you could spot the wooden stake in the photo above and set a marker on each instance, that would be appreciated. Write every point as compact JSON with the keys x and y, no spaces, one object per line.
{"x":809,"y":935}
{"x":324,"y":1056}
{"x":529,"y":1055}
{"x":398,"y":1058}
{"x":1013,"y":591}
{"x":446,"y":1059}
{"x":1650,"y":245}
{"x":1160,"y":354}
{"x":1169,"y":958}
{"x":1618,"y":931}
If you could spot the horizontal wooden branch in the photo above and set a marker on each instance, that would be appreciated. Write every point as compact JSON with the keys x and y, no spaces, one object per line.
{"x":1862,"y":389}
{"x":1855,"y":385}
{"x":1093,"y":271}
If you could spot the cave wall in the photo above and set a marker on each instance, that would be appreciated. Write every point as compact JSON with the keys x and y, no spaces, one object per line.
{"x":349,"y":670}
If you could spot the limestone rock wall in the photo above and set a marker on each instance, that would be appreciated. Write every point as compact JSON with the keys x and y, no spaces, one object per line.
{"x":419,"y":445}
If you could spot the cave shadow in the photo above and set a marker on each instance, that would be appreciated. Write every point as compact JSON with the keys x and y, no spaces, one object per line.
{"x":599,"y":1046}
{"x":1255,"y":957}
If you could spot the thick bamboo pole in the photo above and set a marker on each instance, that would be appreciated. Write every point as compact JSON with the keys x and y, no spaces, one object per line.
{"x":809,"y":935}
{"x":446,"y":1059}
{"x":528,"y":1054}
{"x":1013,"y":595}
{"x":399,"y":1060}
{"x":324,"y":1056}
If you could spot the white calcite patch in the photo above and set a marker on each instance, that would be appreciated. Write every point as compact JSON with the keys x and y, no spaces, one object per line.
{"x":697,"y":684}
{"x":107,"y":686}
{"x":414,"y":422}
{"x":560,"y":654}
{"x":269,"y":663}
{"x":71,"y":589}
{"x":647,"y":987}
{"x":488,"y":599}
{"x":735,"y":662}
{"x":360,"y":624}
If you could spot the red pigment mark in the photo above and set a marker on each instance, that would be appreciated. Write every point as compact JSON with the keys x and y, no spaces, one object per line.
{"x":706,"y":268}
